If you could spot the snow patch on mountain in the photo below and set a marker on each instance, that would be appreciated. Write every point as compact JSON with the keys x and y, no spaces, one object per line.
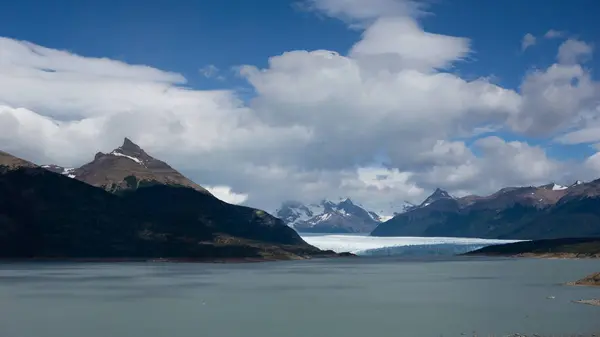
{"x":116,"y":153}
{"x":66,"y":171}
{"x":578,"y":182}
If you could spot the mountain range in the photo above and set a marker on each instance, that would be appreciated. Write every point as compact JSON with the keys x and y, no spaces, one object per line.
{"x":127,"y":204}
{"x":328,"y":216}
{"x":542,"y":212}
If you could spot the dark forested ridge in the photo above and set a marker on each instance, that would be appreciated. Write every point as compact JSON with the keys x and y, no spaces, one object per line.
{"x":567,"y":247}
{"x":48,"y":215}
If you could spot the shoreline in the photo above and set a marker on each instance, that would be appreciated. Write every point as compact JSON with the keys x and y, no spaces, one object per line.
{"x":594,"y":302}
{"x":548,"y":256}
{"x":207,"y":260}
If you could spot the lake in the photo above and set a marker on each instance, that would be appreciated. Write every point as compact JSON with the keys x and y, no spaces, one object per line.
{"x":334,"y":297}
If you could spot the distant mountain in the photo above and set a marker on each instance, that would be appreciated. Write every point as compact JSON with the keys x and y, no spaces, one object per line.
{"x":48,"y":215}
{"x":544,"y":212}
{"x":437,"y":195}
{"x":327,"y":216}
{"x":126,"y":167}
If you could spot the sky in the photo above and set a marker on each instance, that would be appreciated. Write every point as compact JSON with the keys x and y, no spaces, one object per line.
{"x":381,"y":101}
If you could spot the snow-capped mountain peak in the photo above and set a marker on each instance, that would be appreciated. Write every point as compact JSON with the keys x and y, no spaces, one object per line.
{"x":345,"y":215}
{"x":328,"y":216}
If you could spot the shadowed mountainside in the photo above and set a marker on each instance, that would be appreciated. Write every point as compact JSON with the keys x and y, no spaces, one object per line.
{"x":48,"y":215}
{"x":544,"y":212}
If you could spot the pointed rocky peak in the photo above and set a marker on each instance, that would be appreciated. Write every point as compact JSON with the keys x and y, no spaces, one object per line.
{"x":129,"y":167}
{"x":129,"y":146}
{"x":438,"y":194}
{"x":346,"y":201}
{"x":133,"y":152}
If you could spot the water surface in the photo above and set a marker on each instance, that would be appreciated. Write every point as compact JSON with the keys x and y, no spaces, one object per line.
{"x":335,"y":297}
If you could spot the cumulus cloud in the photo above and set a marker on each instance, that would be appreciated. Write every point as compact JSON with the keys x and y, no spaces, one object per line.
{"x":499,"y":164}
{"x":587,"y":135}
{"x":553,"y":97}
{"x":211,"y":71}
{"x":399,"y":43}
{"x":360,"y":13}
{"x":574,"y":51}
{"x":318,"y":122}
{"x":528,"y":41}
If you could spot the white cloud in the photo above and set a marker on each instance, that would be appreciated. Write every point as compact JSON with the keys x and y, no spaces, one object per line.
{"x":528,"y":41}
{"x":574,"y":51}
{"x":361,"y":13}
{"x":587,"y":135}
{"x":553,"y":34}
{"x":399,"y":43}
{"x":317,"y":123}
{"x":211,"y":71}
{"x":226,"y":194}
{"x":499,"y":164}
{"x":554,"y":97}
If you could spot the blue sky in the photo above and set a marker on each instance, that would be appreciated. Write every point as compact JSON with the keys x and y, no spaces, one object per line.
{"x":185,"y":36}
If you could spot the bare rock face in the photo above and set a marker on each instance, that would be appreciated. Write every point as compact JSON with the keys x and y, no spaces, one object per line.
{"x":590,"y":280}
{"x":129,"y":167}
{"x":10,"y":162}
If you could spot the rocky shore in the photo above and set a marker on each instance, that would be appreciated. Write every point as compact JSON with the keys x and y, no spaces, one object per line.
{"x":474,"y":334}
{"x":592,"y":280}
{"x":589,"y":302}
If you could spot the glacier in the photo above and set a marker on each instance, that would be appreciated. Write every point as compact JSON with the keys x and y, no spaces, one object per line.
{"x":398,"y":246}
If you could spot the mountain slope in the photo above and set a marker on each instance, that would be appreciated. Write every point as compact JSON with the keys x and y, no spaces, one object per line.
{"x":127,"y":167}
{"x":10,"y":162}
{"x":48,"y":215}
{"x":549,"y":211}
{"x":328,"y":217}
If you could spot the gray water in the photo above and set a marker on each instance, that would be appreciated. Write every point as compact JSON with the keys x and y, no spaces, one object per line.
{"x":329,"y":298}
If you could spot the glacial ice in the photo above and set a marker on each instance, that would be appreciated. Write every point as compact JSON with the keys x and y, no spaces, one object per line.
{"x":384,"y":246}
